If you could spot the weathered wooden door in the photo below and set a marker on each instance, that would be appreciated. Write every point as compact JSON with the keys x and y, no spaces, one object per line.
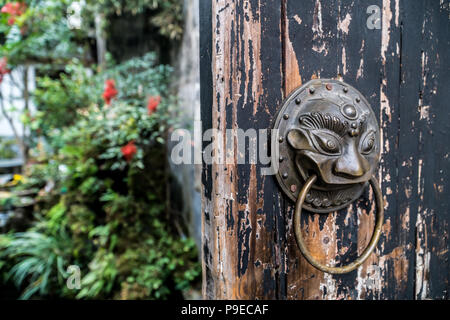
{"x":396,"y":52}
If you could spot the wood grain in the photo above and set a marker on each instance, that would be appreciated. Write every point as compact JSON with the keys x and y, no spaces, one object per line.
{"x":260,"y":51}
{"x":241,"y":224}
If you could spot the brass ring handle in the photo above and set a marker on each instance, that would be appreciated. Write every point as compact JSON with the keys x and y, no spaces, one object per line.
{"x":373,"y":241}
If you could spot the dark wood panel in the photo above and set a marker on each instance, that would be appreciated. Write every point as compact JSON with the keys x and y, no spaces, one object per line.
{"x":242,"y":217}
{"x":390,"y":67}
{"x":310,"y":52}
{"x":206,"y":100}
{"x":423,"y":152}
{"x":259,"y":51}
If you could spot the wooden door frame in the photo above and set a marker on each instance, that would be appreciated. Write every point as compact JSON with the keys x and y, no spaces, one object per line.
{"x":253,"y":54}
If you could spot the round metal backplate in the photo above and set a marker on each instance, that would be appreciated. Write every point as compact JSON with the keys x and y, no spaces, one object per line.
{"x":291,"y":181}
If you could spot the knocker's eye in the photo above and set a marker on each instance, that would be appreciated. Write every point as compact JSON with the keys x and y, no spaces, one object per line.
{"x":326,"y":142}
{"x":368,"y":143}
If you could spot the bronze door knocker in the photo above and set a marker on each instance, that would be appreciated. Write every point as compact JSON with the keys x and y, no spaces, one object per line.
{"x":327,"y":152}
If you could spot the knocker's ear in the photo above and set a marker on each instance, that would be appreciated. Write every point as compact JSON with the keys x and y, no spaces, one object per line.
{"x":298,"y":139}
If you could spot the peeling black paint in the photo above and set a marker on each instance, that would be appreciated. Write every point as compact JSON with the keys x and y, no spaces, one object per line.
{"x":229,"y":216}
{"x":412,"y":77}
{"x":243,"y":242}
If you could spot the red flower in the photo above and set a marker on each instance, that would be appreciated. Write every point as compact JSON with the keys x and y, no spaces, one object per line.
{"x":152,"y":104}
{"x":129,"y":150}
{"x":3,"y":68}
{"x":110,"y":91}
{"x":4,"y":65}
{"x":14,"y":9}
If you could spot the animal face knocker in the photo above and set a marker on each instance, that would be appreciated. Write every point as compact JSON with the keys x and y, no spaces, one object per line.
{"x":327,"y":152}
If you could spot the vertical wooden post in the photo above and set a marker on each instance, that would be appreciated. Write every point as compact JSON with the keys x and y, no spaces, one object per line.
{"x":242,"y":213}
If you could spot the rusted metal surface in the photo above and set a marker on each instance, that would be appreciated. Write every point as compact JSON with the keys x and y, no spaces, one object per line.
{"x":258,"y":53}
{"x":367,"y":251}
{"x":328,"y":128}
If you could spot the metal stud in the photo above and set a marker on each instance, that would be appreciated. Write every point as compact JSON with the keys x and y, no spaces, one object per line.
{"x":285,"y":175}
{"x":298,"y":101}
{"x":286,"y":116}
{"x":349,"y":111}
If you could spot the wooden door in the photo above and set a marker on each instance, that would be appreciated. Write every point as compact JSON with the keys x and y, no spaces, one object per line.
{"x":253,"y":54}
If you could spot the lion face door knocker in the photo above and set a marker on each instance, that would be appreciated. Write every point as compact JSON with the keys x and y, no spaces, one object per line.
{"x":327,"y":152}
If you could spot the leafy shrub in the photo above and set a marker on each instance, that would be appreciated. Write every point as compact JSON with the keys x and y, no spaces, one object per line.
{"x":41,"y":261}
{"x":104,"y":202}
{"x":8,"y":149}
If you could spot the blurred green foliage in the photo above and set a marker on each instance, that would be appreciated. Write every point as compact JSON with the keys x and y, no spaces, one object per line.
{"x":167,"y":15}
{"x":43,"y":33}
{"x":7,"y":148}
{"x":96,"y":208}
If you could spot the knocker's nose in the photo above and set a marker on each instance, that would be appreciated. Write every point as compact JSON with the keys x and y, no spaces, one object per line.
{"x":351,"y":165}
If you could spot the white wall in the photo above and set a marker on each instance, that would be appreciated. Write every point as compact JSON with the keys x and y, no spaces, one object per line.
{"x":12,"y":97}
